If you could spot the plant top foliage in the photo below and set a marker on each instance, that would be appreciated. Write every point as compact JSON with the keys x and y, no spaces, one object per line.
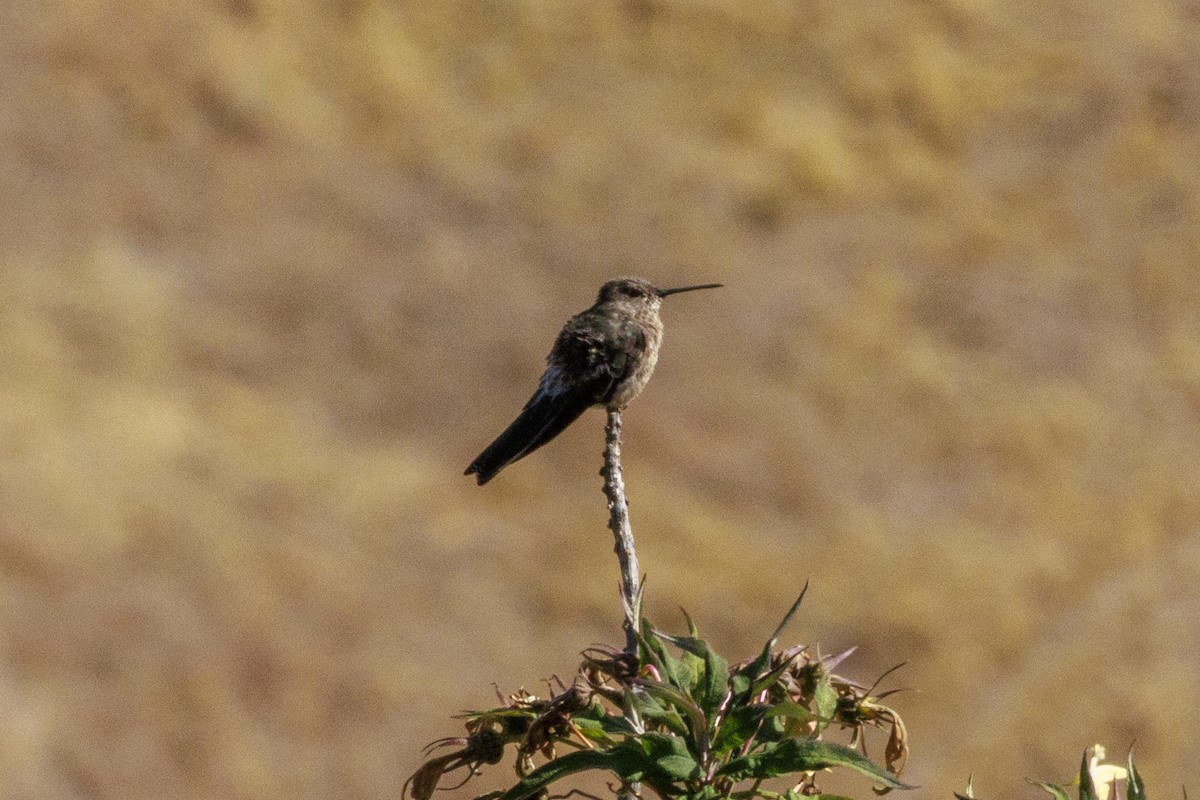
{"x":677,"y":718}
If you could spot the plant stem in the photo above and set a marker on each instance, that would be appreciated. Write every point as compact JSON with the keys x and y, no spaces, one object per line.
{"x":618,"y":523}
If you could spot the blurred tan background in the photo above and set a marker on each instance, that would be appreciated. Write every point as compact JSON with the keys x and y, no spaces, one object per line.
{"x":273,"y":272}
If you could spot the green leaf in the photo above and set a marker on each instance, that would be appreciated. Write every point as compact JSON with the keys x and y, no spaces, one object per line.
{"x":677,"y":699}
{"x":771,"y":678}
{"x":826,"y":698}
{"x":656,"y":745}
{"x":672,"y":670}
{"x":716,"y":681}
{"x":659,"y":760}
{"x":616,"y":724}
{"x":764,"y":658}
{"x":806,"y":755}
{"x":669,"y":754}
{"x":695,"y":674}
{"x":596,"y":730}
{"x":1057,"y":791}
{"x":665,"y":714}
{"x":649,"y":648}
{"x":1134,"y":788}
{"x":688,"y":644}
{"x":711,"y":672}
{"x":713,"y":677}
{"x":681,"y":768}
{"x":790,"y":708}
{"x":625,"y":763}
{"x":738,"y":726}
{"x":1087,"y":788}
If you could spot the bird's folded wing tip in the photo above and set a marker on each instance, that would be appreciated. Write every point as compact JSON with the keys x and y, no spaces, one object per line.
{"x":481,"y":477}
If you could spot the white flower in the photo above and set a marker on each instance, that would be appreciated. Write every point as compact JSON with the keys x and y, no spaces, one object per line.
{"x":1104,"y":775}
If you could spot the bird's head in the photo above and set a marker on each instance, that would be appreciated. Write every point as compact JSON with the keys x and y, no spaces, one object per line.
{"x":640,"y":290}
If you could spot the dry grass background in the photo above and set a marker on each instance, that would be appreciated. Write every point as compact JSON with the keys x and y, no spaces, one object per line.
{"x":272,"y":272}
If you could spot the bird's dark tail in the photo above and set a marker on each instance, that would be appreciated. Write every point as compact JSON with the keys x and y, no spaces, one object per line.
{"x":544,"y":417}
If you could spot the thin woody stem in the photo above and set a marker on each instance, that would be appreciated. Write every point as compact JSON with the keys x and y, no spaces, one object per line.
{"x":618,"y":523}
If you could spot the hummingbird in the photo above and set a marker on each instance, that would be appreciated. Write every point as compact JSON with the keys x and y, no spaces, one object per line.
{"x":602,"y":357}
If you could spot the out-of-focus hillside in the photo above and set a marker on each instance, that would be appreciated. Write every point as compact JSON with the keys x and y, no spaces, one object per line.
{"x":272,"y":273}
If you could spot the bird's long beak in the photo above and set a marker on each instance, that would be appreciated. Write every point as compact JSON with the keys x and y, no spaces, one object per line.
{"x":665,"y":292}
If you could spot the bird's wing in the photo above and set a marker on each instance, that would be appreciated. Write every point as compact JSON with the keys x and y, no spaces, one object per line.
{"x":597,"y":354}
{"x":586,"y":363}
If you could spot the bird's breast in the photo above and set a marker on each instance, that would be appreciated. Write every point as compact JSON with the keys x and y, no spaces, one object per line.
{"x":639,"y":368}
